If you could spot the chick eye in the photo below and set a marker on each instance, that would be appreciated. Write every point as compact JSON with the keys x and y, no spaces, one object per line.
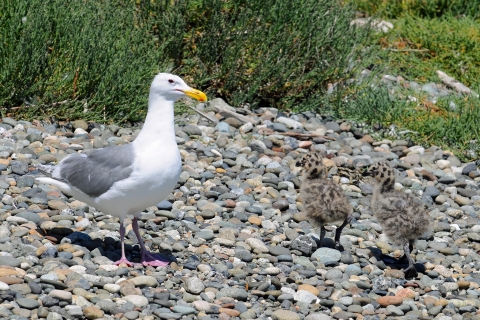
{"x":170,"y":81}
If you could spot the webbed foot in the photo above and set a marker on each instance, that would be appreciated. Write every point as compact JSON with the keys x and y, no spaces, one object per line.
{"x":339,"y":247}
{"x":124,"y":261}
{"x":410,"y":272}
{"x":154,"y":260}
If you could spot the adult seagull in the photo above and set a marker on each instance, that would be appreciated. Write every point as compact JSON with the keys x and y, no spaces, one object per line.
{"x":129,"y":178}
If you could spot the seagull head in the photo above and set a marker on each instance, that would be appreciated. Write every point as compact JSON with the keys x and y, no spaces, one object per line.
{"x":172,"y":88}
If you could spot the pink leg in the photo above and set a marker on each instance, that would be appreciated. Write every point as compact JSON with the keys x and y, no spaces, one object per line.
{"x":123,"y":259}
{"x":148,"y":259}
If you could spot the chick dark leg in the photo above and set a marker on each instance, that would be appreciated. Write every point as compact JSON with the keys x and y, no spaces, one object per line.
{"x":410,"y":272}
{"x":338,"y":233}
{"x":404,"y":258}
{"x":322,"y":235}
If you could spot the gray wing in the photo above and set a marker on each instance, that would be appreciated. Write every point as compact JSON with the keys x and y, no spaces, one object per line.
{"x":95,"y":173}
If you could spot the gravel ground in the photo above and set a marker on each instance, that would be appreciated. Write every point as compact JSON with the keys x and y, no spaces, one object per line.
{"x":234,"y":228}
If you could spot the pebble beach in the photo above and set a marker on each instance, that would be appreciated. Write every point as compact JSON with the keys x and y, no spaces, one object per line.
{"x":235,"y":228}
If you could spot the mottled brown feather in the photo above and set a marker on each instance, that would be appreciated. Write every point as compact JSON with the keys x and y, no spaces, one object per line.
{"x":401,"y":215}
{"x":323,"y":198}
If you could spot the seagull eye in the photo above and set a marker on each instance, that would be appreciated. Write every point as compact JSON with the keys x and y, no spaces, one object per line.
{"x":170,"y":81}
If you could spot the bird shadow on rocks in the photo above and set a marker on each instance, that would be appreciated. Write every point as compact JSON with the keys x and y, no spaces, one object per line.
{"x":327,"y":243}
{"x":109,"y":247}
{"x":384,"y":261}
{"x":133,"y":251}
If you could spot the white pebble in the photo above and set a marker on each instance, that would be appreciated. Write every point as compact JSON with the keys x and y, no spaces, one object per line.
{"x":442,"y":164}
{"x":79,"y":269}
{"x":80,"y":131}
{"x":210,"y":295}
{"x":84,"y":223}
{"x":61,"y":295}
{"x":273,"y":271}
{"x":49,"y":276}
{"x":108,"y":267}
{"x":247,"y":127}
{"x":442,"y":270}
{"x":344,"y":180}
{"x":204,"y":268}
{"x":112,"y":287}
{"x":25,"y":265}
{"x":287,"y":290}
{"x":4,"y":286}
{"x":292,"y":124}
{"x":174,"y":234}
{"x":18,"y":220}
{"x":138,"y":301}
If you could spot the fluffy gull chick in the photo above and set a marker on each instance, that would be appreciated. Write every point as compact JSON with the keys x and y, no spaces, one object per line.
{"x":403,"y":217}
{"x":324,"y":199}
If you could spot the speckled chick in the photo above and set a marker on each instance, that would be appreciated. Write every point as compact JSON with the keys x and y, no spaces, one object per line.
{"x":323,"y":198}
{"x":402,"y":216}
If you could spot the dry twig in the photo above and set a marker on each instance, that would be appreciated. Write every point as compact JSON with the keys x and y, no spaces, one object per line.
{"x":53,"y":104}
{"x":305,"y":135}
{"x":206,"y":116}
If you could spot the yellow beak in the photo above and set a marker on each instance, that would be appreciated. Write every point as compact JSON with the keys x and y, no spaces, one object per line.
{"x":196,"y":94}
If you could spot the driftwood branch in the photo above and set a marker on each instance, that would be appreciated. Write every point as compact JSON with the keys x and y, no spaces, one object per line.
{"x":53,"y":104}
{"x":305,"y":135}
{"x":409,"y":50}
{"x":453,"y":83}
{"x":227,"y":113}
{"x":206,"y":116}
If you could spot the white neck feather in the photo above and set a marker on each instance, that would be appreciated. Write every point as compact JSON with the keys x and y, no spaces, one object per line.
{"x":159,"y":124}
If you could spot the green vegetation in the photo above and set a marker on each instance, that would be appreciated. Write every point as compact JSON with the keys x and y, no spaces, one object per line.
{"x":101,"y":55}
{"x":95,"y":59}
{"x":451,"y":126}
{"x":417,"y":47}
{"x":428,"y":35}
{"x":84,"y":54}
{"x":393,"y":9}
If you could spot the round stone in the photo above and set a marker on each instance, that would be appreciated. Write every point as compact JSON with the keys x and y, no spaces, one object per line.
{"x":201,"y":305}
{"x":112,"y":287}
{"x":61,"y":295}
{"x":281,"y":205}
{"x":10,"y":261}
{"x":353,"y":269}
{"x":92,"y":312}
{"x":304,"y":296}
{"x":390,"y":300}
{"x":325,"y":255}
{"x":278,"y":250}
{"x":27,"y":303}
{"x":131,"y":315}
{"x":144,"y":281}
{"x":183,"y":309}
{"x":285,"y":315}
{"x":309,"y":288}
{"x":194,"y":285}
{"x":4,"y":286}
{"x":137,"y":300}
{"x":257,"y":244}
{"x":334,"y":274}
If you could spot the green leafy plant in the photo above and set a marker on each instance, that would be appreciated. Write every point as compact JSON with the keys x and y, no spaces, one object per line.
{"x":419,"y":8}
{"x":417,"y":47}
{"x":451,"y":123}
{"x":95,"y":59}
